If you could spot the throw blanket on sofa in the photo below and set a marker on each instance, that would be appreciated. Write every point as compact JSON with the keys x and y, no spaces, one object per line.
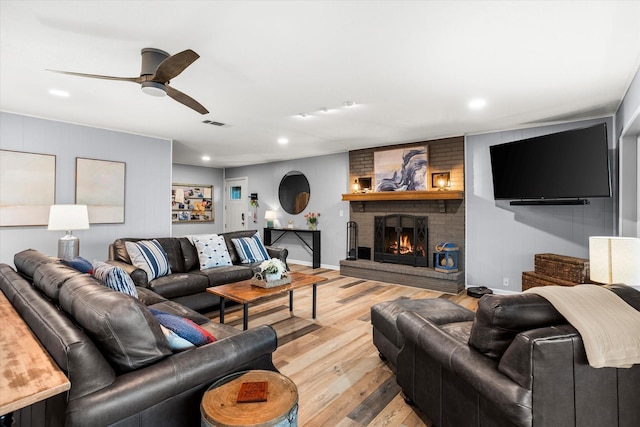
{"x":610,"y":328}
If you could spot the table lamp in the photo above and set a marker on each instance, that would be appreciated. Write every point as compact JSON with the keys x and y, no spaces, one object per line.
{"x":68,"y":218}
{"x":614,"y":260}
{"x":270,"y":216}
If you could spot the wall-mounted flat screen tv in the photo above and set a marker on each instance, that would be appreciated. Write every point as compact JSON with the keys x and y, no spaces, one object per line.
{"x":567,"y":165}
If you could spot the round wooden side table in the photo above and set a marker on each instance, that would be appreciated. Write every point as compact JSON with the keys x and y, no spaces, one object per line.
{"x":220,"y":406}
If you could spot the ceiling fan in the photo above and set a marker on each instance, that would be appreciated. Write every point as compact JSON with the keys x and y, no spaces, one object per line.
{"x":158,"y":68}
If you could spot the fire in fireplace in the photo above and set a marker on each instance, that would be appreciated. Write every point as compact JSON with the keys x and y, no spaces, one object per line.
{"x":401,"y":239}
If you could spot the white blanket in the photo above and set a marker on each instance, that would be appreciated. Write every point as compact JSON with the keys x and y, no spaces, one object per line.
{"x":610,"y":328}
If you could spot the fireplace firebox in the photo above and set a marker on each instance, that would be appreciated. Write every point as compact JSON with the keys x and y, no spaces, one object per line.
{"x":401,"y":239}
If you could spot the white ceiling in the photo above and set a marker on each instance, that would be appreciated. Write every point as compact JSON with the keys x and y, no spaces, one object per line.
{"x":411,"y":67}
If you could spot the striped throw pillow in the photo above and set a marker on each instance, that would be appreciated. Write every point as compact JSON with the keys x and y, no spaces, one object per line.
{"x":115,"y":278}
{"x":149,"y":256}
{"x":250,"y":249}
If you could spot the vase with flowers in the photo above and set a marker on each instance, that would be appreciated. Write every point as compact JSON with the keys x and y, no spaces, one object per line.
{"x":272,"y":269}
{"x":312,"y":220}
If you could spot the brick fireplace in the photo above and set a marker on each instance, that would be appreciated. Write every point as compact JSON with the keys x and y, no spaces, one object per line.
{"x":445,"y":217}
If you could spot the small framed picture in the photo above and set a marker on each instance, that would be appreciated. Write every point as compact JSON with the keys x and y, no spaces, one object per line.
{"x":440,"y":180}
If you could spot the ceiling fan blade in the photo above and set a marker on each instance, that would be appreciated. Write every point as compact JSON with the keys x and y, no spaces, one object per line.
{"x":97,"y":76}
{"x":174,"y":65}
{"x":185,"y":99}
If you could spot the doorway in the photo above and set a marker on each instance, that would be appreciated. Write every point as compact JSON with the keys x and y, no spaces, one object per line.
{"x":236,"y":204}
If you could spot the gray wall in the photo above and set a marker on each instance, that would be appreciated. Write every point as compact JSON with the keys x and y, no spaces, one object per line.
{"x":501,"y":239}
{"x":328,"y":176}
{"x":184,"y":174}
{"x":148,"y":179}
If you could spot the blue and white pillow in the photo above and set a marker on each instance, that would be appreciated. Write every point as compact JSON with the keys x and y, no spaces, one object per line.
{"x":212,"y":251}
{"x":183,"y":327}
{"x":250,"y":249}
{"x":115,"y":278}
{"x":149,"y":256}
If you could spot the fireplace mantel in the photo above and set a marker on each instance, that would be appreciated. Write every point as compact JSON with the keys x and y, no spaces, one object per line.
{"x":378,"y":196}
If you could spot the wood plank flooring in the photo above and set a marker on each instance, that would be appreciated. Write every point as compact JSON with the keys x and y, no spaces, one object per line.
{"x":340,"y":378}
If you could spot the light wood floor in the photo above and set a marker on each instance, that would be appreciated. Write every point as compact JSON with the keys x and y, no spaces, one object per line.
{"x":340,"y":378}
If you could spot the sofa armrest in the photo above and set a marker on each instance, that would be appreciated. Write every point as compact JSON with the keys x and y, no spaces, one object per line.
{"x":138,"y":275}
{"x":538,"y":348}
{"x":280,"y":253}
{"x":194,"y":369}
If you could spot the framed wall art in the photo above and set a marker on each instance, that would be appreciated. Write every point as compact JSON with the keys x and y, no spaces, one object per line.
{"x":27,"y":188}
{"x":100,"y":184}
{"x":402,"y":169}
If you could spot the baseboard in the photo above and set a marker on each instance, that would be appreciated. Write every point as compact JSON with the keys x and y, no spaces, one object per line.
{"x":309,"y":264}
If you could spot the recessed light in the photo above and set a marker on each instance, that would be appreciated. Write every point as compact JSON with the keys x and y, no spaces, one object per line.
{"x":206,"y":158}
{"x":283,"y":141}
{"x":58,"y":92}
{"x":303,"y":115}
{"x":349,"y":104}
{"x":477,"y":104}
{"x":325,"y":109}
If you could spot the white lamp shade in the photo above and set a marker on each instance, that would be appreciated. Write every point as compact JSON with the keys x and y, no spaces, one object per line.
{"x":68,"y":217}
{"x":614,"y":260}
{"x":271,"y":215}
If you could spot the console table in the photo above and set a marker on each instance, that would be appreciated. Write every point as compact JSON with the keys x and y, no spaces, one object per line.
{"x":30,"y":374}
{"x":315,"y":240}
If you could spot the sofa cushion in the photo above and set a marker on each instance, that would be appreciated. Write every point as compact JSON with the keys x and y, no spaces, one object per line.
{"x":127,"y":333}
{"x":149,"y":255}
{"x":500,"y":318}
{"x":28,"y":260}
{"x":172,"y":248}
{"x":177,"y":285}
{"x":250,"y":249}
{"x":226,"y":274}
{"x":115,"y":278}
{"x":189,"y":254}
{"x":50,"y":277}
{"x":212,"y":251}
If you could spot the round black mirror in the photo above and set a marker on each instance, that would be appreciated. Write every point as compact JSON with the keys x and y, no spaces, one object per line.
{"x":294,"y":192}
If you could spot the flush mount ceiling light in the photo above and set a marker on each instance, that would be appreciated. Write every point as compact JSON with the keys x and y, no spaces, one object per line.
{"x":58,"y":92}
{"x":477,"y":104}
{"x":206,"y":158}
{"x":153,"y":88}
{"x":283,"y":141}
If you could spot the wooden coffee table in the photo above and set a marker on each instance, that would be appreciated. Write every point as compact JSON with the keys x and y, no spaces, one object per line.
{"x":244,"y":293}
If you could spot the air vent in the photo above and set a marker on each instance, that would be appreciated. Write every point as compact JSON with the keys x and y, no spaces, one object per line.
{"x":211,"y":122}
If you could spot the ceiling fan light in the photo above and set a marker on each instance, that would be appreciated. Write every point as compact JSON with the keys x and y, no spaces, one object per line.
{"x":154,"y":88}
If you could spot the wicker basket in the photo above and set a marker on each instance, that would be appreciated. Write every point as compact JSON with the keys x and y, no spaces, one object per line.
{"x":285,"y":280}
{"x":531,"y":279}
{"x":562,"y":267}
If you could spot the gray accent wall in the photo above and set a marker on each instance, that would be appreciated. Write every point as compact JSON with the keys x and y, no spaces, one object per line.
{"x":147,"y":180}
{"x":185,"y":174}
{"x":502,"y":239}
{"x":327,"y":177}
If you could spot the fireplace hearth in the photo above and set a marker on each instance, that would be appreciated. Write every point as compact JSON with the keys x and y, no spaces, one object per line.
{"x":401,"y":239}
